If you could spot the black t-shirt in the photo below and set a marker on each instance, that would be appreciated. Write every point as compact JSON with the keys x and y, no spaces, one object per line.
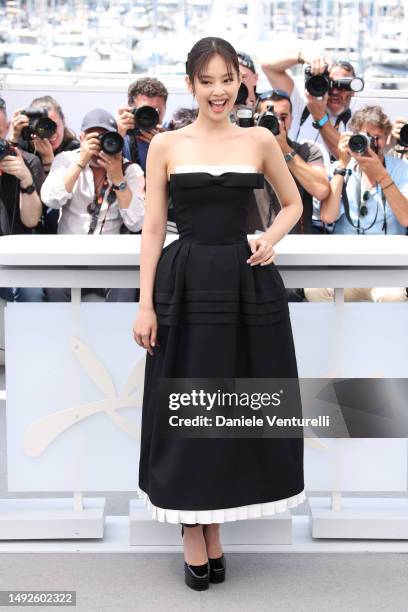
{"x":10,"y":192}
{"x":266,"y":206}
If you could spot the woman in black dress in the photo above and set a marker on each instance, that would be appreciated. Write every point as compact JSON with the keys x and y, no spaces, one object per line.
{"x":213,"y":305}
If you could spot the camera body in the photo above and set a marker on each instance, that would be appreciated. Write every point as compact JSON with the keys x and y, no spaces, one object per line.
{"x":320,"y":84}
{"x":111,"y":142}
{"x":146,"y":118}
{"x":39,"y":124}
{"x":361,"y":142}
{"x":403,"y":137}
{"x":6,"y":149}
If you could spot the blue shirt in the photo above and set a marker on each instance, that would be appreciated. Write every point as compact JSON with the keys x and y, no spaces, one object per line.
{"x":398,"y":171}
{"x":142,"y":149}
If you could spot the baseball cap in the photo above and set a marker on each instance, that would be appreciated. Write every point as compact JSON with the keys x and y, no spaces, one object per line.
{"x":99,"y":118}
{"x":246,"y":60}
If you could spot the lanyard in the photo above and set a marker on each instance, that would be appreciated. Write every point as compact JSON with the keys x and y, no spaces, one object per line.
{"x":95,"y":206}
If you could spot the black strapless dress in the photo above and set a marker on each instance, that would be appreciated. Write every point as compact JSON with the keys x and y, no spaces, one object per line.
{"x":218,"y":317}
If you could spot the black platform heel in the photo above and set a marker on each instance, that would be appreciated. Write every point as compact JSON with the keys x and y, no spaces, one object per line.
{"x":217,"y":568}
{"x":197,"y":577}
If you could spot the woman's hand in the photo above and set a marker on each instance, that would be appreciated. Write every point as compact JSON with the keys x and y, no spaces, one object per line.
{"x":145,"y":329}
{"x":262,"y":252}
{"x":44,"y":149}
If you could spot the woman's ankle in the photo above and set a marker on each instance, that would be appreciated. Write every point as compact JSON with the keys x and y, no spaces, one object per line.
{"x":195,"y":552}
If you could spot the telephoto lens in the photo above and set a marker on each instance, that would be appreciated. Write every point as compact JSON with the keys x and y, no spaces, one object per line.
{"x":245,"y":117}
{"x":146,"y":118}
{"x":39,"y":124}
{"x":5,"y":149}
{"x":316,"y":84}
{"x":359,"y":143}
{"x":269,"y":120}
{"x":403,"y":137}
{"x":355,"y":84}
{"x":111,"y":142}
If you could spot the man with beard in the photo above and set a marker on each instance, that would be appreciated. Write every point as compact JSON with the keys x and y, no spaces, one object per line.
{"x":317,"y":119}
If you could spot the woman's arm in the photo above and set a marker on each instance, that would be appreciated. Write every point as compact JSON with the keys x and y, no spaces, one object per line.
{"x":278,"y":174}
{"x":155,"y":217}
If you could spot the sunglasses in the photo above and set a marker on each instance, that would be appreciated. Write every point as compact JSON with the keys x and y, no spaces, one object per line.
{"x":267,"y":95}
{"x":2,"y":103}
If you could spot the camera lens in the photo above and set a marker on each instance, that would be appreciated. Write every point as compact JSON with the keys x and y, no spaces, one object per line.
{"x":5,"y":149}
{"x":44,"y":127}
{"x":270,"y":122}
{"x":317,"y":85}
{"x":111,"y":143}
{"x":359,"y":143}
{"x":146,"y":117}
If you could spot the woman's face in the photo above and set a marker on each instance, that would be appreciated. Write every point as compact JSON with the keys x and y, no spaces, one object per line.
{"x":215,"y":91}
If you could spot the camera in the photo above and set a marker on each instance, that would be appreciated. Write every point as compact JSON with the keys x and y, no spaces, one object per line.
{"x":39,"y":124}
{"x":359,"y":143}
{"x":403,"y":137}
{"x":242,"y":95}
{"x":319,"y":84}
{"x":269,"y":120}
{"x":5,"y":149}
{"x":245,"y":117}
{"x":146,"y":118}
{"x":111,"y":142}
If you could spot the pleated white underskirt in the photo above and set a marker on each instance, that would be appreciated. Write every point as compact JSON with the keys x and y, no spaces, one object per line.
{"x":221,"y":515}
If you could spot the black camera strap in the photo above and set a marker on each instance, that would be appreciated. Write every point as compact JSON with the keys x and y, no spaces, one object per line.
{"x":347,"y":207}
{"x":344,"y":118}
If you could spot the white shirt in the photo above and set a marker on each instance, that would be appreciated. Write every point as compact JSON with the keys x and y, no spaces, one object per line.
{"x":74,"y":217}
{"x":307,"y":131}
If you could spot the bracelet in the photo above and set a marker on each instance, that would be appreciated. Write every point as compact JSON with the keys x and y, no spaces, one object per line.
{"x":389,"y":185}
{"x":80,"y":165}
{"x":384,"y":177}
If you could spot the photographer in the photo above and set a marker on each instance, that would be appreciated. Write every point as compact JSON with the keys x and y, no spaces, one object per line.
{"x":144,"y":92}
{"x":368,"y":194}
{"x":397,"y":144}
{"x":96,"y":189}
{"x":21,"y":177}
{"x":305,"y":162}
{"x":24,"y":135}
{"x":249,"y":77}
{"x":319,"y":119}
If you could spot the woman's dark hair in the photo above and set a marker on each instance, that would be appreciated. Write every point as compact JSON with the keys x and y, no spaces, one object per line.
{"x":203,"y":51}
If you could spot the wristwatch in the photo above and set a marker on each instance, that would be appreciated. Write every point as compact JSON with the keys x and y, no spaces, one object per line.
{"x":289,"y":156}
{"x":342,"y":171}
{"x":29,"y":189}
{"x":319,"y":124}
{"x":121,"y":187}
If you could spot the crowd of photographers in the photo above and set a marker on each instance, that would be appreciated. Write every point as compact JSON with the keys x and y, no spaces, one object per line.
{"x":351,"y":169}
